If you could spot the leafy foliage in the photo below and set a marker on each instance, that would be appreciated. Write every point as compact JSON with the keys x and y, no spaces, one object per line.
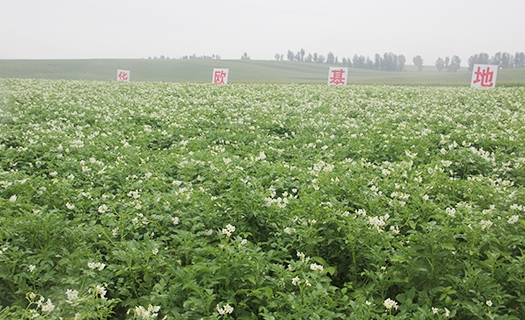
{"x":260,"y":201}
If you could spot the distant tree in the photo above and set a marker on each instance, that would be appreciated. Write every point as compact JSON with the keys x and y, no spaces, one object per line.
{"x":194,"y":56}
{"x":330,"y":58}
{"x":347,"y":62}
{"x":277,"y":56}
{"x":496,"y":59}
{"x":481,"y":58}
{"x":454,"y":65}
{"x":290,"y":55}
{"x":389,"y":62}
{"x":162,"y":57}
{"x":446,"y":62}
{"x":355,"y":61}
{"x":395,"y":63}
{"x":507,"y":61}
{"x":401,"y":63}
{"x":298,"y":56}
{"x":519,"y":60}
{"x":245,"y":56}
{"x":418,"y":62}
{"x":358,"y":61}
{"x":320,"y":59}
{"x":369,"y":64}
{"x":377,"y":61}
{"x":440,"y":64}
{"x":309,"y":58}
{"x":503,"y":60}
{"x":315,"y":57}
{"x":302,"y":54}
{"x":386,"y":61}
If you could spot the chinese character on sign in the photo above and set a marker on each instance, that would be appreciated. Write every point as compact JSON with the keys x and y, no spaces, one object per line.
{"x":123,"y":75}
{"x":220,"y":76}
{"x":337,"y":76}
{"x":484,"y":76}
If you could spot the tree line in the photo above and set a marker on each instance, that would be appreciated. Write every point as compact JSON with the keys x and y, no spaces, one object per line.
{"x":387,"y":62}
{"x":244,"y":56}
{"x":504,"y":60}
{"x":449,"y":64}
{"x":393,"y":62}
{"x":186,"y":57}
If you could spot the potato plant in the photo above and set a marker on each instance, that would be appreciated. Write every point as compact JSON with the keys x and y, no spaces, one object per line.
{"x":260,"y":201}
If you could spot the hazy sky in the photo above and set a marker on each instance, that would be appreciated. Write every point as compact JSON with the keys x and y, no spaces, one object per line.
{"x":78,"y":29}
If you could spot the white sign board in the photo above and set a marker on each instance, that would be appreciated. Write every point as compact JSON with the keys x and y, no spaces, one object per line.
{"x":123,"y":75}
{"x":337,"y":76}
{"x":484,"y":76}
{"x":220,"y":76}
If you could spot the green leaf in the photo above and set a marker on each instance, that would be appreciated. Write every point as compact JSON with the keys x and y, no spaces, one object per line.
{"x":320,"y":261}
{"x":399,"y":257}
{"x":250,"y":278}
{"x":330,"y":270}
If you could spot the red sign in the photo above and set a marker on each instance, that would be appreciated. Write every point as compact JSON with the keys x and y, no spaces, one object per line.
{"x":337,"y":76}
{"x":484,"y":76}
{"x":123,"y":75}
{"x":220,"y":76}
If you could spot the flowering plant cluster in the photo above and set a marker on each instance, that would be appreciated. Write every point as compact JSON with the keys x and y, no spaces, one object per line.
{"x":260,"y":201}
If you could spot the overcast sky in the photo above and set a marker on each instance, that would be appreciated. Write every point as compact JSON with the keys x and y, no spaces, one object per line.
{"x":78,"y":29}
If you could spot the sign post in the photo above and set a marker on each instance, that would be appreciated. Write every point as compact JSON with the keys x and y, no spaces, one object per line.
{"x":484,"y":76}
{"x":220,"y":76}
{"x":337,"y":76}
{"x":123,"y":75}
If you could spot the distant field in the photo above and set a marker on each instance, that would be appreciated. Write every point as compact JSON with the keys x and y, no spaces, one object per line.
{"x":240,"y":71}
